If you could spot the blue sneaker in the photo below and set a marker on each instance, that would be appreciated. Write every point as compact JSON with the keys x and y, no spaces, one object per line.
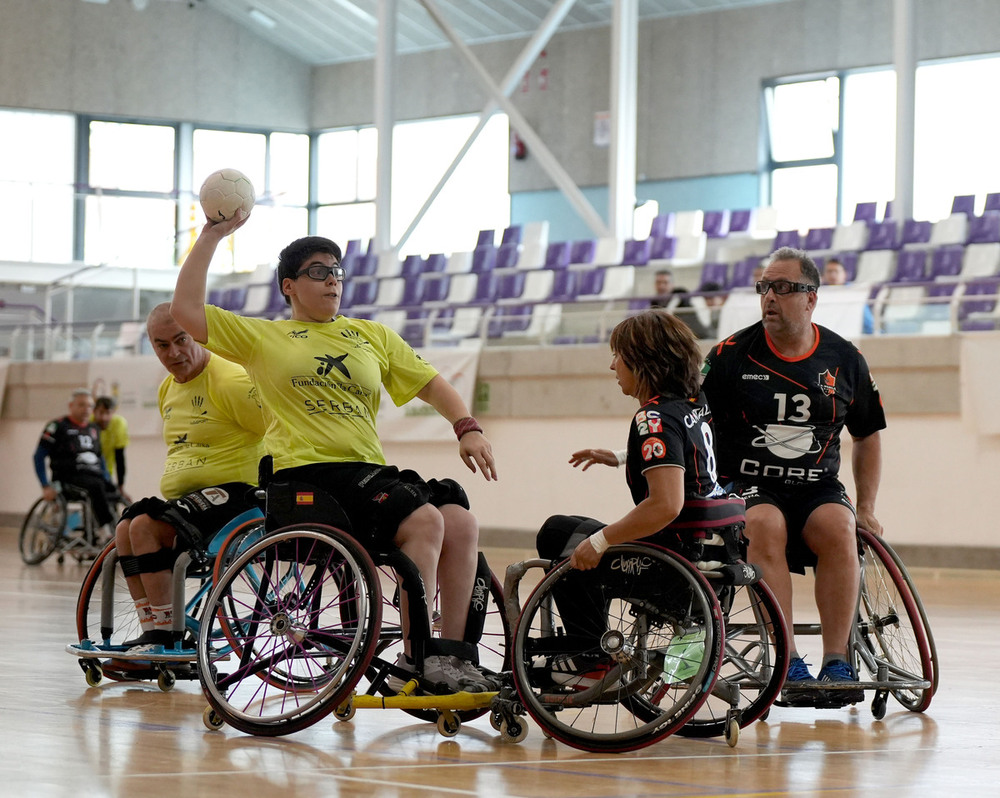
{"x":800,"y":685}
{"x":840,"y":673}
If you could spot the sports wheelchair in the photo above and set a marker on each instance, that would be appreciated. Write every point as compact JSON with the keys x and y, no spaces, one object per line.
{"x":65,"y":525}
{"x":891,"y":640}
{"x":654,"y":641}
{"x":106,"y":615}
{"x":300,"y":618}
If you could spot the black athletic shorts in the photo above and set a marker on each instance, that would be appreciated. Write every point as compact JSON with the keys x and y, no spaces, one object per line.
{"x":199,"y":515}
{"x":796,"y":504}
{"x":375,"y":498}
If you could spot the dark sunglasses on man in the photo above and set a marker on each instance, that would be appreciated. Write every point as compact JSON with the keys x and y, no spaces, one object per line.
{"x":319,"y":272}
{"x":782,"y":287}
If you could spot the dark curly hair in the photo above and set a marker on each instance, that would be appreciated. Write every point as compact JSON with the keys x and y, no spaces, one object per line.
{"x":294,"y":255}
{"x":661,"y":351}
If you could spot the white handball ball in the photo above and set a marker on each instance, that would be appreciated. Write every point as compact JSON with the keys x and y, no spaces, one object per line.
{"x":224,"y":192}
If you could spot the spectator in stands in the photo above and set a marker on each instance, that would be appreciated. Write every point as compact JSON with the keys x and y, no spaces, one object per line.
{"x":781,"y":392}
{"x":114,"y":439}
{"x":72,"y":446}
{"x":663,"y":287}
{"x":320,"y":375}
{"x":715,"y":298}
{"x":835,"y":273}
{"x":213,"y":427}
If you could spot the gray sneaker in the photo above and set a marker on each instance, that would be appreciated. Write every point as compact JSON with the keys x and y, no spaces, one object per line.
{"x":442,"y":668}
{"x":490,"y":684}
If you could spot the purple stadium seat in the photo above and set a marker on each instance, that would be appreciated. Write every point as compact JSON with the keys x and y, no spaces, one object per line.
{"x":818,"y":238}
{"x":915,"y":232}
{"x":662,"y":248}
{"x":636,"y":253}
{"x":486,"y":288}
{"x":583,"y":251}
{"x":507,"y":255}
{"x":984,"y":229}
{"x":412,"y":265}
{"x":743,"y":271}
{"x":364,"y":265}
{"x":557,"y":255}
{"x":436,"y":262}
{"x":911,"y":266}
{"x":508,"y":319}
{"x":590,"y":283}
{"x":484,"y":259}
{"x":413,"y":290}
{"x":992,"y":202}
{"x":787,"y":238}
{"x":564,"y":286}
{"x":739,"y":221}
{"x":215,"y":297}
{"x":715,"y":273}
{"x":435,"y":289}
{"x":946,"y":261}
{"x":964,"y":203}
{"x":234,"y":297}
{"x":487,"y":238}
{"x":865,"y":211}
{"x":510,"y":285}
{"x":662,"y":225}
{"x":715,"y":224}
{"x":512,"y":234}
{"x":850,"y":261}
{"x":883,"y":235}
{"x":365,"y":292}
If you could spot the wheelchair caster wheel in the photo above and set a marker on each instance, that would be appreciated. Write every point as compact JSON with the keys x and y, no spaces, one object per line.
{"x":448,"y":724}
{"x":513,"y":731}
{"x":345,"y":711}
{"x":732,"y":732}
{"x":213,"y":720}
{"x":166,"y":680}
{"x":878,"y":706}
{"x":93,"y":674}
{"x":496,"y":721}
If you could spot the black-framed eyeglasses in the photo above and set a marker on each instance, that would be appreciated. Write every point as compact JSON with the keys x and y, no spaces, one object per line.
{"x":319,"y":272}
{"x":782,"y":287}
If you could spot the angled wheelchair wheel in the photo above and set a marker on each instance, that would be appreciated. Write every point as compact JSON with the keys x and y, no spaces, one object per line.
{"x":41,"y":529}
{"x":754,"y":661}
{"x":289,"y":629}
{"x":619,"y":657}
{"x":892,"y":639}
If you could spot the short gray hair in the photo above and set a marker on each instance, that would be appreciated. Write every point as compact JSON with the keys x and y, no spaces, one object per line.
{"x":806,"y":264}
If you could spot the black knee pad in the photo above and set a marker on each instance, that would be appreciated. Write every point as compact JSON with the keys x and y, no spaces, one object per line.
{"x":394,"y":503}
{"x":561,"y":534}
{"x":156,"y":561}
{"x":129,"y":564}
{"x":447,"y":491}
{"x":479,"y":603}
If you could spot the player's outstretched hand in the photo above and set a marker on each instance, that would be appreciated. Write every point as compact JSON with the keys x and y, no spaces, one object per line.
{"x":475,"y":450}
{"x":588,"y":457}
{"x":227,"y":227}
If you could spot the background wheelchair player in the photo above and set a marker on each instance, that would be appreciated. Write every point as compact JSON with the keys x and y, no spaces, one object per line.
{"x":213,"y":428}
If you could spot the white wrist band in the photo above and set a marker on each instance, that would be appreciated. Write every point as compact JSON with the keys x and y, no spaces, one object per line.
{"x":599,"y":542}
{"x":621,"y":455}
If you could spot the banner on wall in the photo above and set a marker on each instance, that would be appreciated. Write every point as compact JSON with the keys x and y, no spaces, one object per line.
{"x":133,"y":381}
{"x":418,"y":421}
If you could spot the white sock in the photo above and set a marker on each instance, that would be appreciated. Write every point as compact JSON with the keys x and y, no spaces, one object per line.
{"x":145,"y":614}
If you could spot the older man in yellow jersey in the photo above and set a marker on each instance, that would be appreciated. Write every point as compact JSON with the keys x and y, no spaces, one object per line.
{"x":213,"y":426}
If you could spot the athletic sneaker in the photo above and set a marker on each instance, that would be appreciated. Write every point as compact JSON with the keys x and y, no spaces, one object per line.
{"x":836,"y":671}
{"x":475,"y":673}
{"x":154,"y":636}
{"x":583,"y":671}
{"x":800,"y":685}
{"x":440,"y":668}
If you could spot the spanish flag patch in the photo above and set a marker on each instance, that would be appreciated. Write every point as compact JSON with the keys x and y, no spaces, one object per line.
{"x":303,"y":498}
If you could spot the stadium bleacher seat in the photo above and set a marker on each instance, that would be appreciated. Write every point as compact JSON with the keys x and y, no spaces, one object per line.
{"x":984,"y":229}
{"x":915,"y":234}
{"x":883,"y":235}
{"x":964,"y":203}
{"x":865,"y":211}
{"x":946,"y":261}
{"x":715,"y":224}
{"x":636,"y":253}
{"x":911,"y":266}
{"x":557,"y":255}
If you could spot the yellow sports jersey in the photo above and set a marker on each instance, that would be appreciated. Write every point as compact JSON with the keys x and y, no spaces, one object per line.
{"x":213,"y":427}
{"x":112,"y":438}
{"x":320,"y":381}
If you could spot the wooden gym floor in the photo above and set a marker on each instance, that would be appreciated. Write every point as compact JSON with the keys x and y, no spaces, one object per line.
{"x":62,"y":738}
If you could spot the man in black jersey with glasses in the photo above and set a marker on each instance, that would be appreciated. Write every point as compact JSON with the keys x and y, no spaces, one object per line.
{"x":781,"y":392}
